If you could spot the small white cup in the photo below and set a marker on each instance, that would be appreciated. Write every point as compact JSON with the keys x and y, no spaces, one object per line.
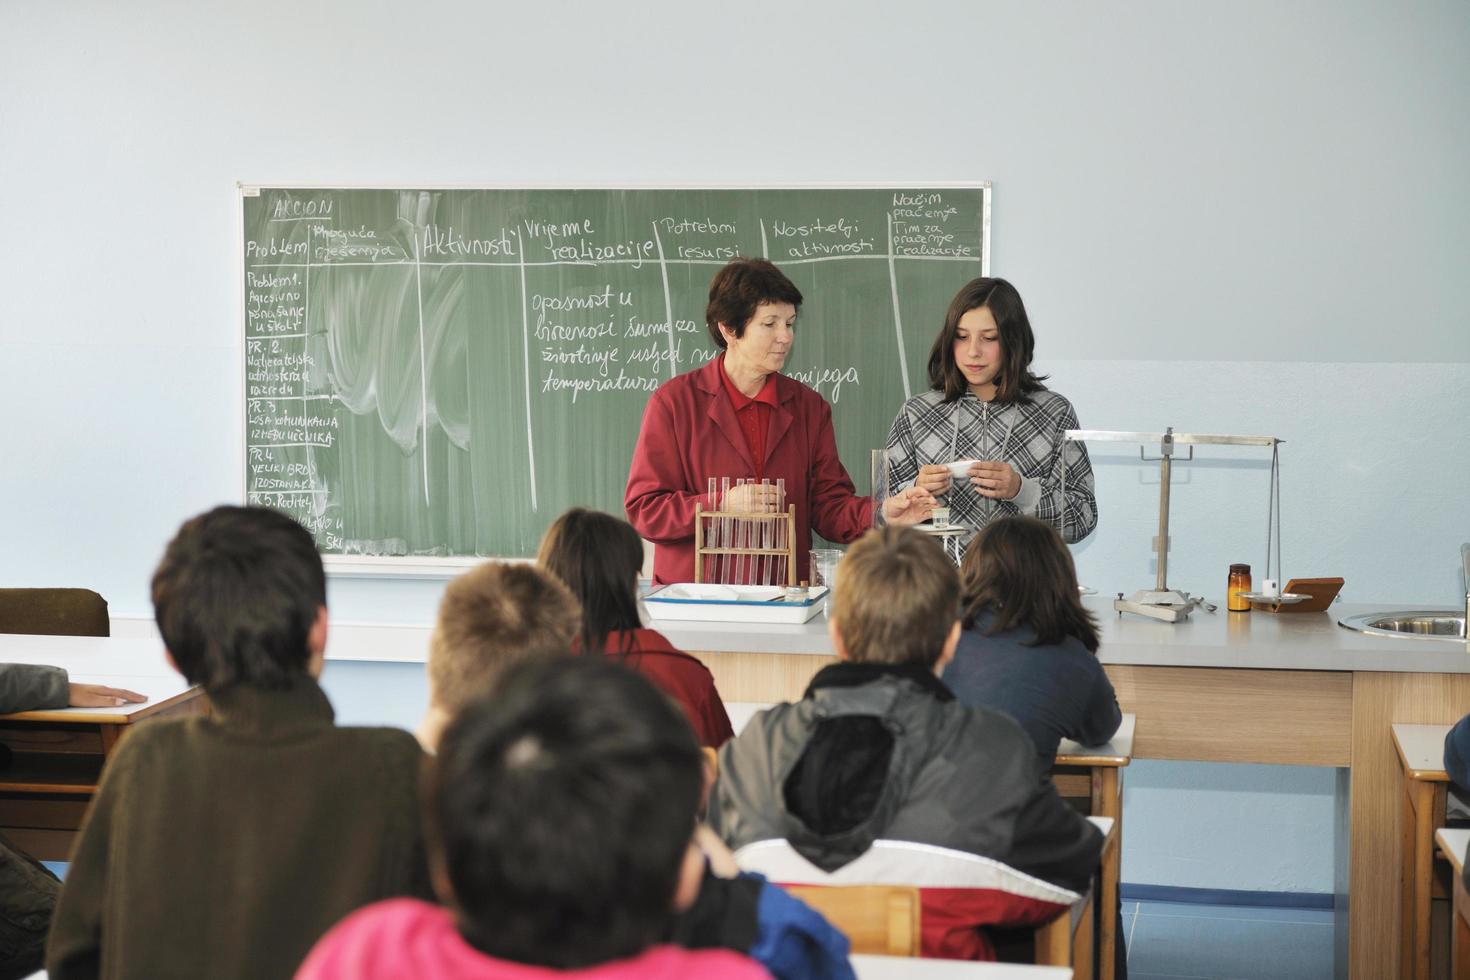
{"x":1270,"y":587}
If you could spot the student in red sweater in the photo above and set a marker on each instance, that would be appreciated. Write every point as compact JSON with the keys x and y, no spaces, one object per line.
{"x":599,"y":556}
{"x":560,"y":814}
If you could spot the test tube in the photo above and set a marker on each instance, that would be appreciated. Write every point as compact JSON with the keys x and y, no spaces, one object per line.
{"x":724,"y":524}
{"x":741,"y":527}
{"x":711,"y":503}
{"x":783,"y":573}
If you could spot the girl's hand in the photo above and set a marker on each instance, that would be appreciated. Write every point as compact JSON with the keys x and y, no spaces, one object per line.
{"x":995,"y":479}
{"x":934,"y":477}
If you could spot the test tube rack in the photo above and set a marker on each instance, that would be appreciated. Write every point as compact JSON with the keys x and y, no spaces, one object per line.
{"x":701,"y":516}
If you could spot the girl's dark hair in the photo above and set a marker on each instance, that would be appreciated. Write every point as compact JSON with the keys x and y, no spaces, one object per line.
{"x":1017,"y":343}
{"x":1018,"y":570}
{"x":739,"y":289}
{"x":560,"y":807}
{"x":598,"y":556}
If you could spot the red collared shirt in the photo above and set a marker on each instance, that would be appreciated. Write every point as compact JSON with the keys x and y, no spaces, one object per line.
{"x":754,"y":416}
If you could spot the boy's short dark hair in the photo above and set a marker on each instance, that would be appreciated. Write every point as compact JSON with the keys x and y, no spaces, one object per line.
{"x":560,"y":808}
{"x":235,"y":597}
{"x":739,"y":289}
{"x":492,"y":616}
{"x":897,"y":598}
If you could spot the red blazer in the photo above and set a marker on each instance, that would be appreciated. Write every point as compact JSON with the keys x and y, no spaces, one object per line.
{"x":690,"y":434}
{"x":678,"y":675}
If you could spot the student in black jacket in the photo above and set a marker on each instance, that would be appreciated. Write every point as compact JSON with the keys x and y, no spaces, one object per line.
{"x":1029,"y":648}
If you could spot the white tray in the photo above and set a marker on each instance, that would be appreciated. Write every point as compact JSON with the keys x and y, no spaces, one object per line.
{"x":733,"y":603}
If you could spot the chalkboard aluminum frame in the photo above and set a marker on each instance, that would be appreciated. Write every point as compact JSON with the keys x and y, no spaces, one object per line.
{"x":422,"y":567}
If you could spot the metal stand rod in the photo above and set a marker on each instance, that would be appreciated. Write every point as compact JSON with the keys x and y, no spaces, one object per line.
{"x":1165,"y":467}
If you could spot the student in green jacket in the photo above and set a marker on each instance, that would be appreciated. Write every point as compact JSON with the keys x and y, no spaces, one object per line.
{"x":225,"y":846}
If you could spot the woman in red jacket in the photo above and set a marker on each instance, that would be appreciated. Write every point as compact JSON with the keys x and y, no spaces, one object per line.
{"x":599,"y":557}
{"x":739,"y":417}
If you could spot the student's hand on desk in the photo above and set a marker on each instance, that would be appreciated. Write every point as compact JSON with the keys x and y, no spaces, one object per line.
{"x":995,"y":479}
{"x":98,"y":696}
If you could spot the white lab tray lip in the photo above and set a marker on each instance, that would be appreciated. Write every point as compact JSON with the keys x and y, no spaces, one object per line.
{"x":735,"y":610}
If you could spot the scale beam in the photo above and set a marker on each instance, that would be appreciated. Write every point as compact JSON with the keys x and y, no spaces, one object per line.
{"x":1179,"y":438}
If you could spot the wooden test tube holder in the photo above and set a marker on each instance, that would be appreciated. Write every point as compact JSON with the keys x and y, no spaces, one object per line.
{"x":789,"y":552}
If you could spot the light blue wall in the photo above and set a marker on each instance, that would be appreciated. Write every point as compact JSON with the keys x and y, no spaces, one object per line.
{"x":1224,"y":216}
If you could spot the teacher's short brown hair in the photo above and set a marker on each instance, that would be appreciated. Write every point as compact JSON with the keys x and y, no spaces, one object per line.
{"x":739,"y":289}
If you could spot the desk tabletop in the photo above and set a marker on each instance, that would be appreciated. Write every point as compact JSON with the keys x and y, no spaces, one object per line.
{"x":1453,"y":843}
{"x":138,"y":665}
{"x":1257,"y":640}
{"x":1421,"y":751}
{"x":1117,"y":751}
{"x":869,"y":967}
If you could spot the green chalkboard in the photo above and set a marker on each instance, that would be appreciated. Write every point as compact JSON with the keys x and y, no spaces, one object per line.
{"x":442,"y":372}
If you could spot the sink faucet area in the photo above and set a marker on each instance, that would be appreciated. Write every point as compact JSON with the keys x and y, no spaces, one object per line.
{"x":1431,"y":624}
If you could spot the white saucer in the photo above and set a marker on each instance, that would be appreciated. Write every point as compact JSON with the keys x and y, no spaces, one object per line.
{"x":941,"y":528}
{"x":1284,"y":599}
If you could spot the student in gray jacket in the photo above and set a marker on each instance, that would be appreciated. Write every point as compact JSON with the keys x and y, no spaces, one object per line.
{"x":879,"y":747}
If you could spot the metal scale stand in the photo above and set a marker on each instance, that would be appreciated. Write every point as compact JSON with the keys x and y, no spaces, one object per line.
{"x":1161,"y":602}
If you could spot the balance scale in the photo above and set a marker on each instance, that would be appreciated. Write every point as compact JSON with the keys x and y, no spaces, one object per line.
{"x":1161,"y":602}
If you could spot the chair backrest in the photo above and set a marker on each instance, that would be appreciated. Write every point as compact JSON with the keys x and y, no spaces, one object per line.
{"x":958,"y":891}
{"x":54,"y":612}
{"x":895,"y":862}
{"x":881,"y":919}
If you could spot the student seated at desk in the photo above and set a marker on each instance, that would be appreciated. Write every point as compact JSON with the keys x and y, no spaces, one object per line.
{"x":492,"y":616}
{"x":1029,"y":647}
{"x":27,"y":888}
{"x":224,"y":846}
{"x":560,"y":811}
{"x":599,"y":557}
{"x":880,"y":749}
{"x":498,"y":615}
{"x":1457,"y":767}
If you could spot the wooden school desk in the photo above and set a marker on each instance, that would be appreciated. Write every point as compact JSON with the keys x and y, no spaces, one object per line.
{"x":1287,"y":689}
{"x":60,"y":753}
{"x":1421,"y":754}
{"x":1452,"y":844}
{"x":1099,"y":771}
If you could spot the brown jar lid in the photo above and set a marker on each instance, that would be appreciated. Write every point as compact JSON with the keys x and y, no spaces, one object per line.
{"x":1240,"y":569}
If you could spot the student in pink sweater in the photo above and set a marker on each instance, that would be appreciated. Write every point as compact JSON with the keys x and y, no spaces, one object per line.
{"x":560,"y":817}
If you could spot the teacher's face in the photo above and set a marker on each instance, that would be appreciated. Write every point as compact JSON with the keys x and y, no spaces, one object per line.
{"x":767,"y":340}
{"x":977,"y":347}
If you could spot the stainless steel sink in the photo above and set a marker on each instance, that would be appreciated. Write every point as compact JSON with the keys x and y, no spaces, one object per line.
{"x":1425,"y":624}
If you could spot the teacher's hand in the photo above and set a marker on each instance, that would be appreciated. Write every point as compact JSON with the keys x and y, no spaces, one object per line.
{"x":995,"y":479}
{"x":909,"y":506}
{"x":751,"y":498}
{"x":933,"y":477}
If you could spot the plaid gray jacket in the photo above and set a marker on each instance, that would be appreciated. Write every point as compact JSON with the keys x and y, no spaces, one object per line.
{"x":1027,"y":434}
